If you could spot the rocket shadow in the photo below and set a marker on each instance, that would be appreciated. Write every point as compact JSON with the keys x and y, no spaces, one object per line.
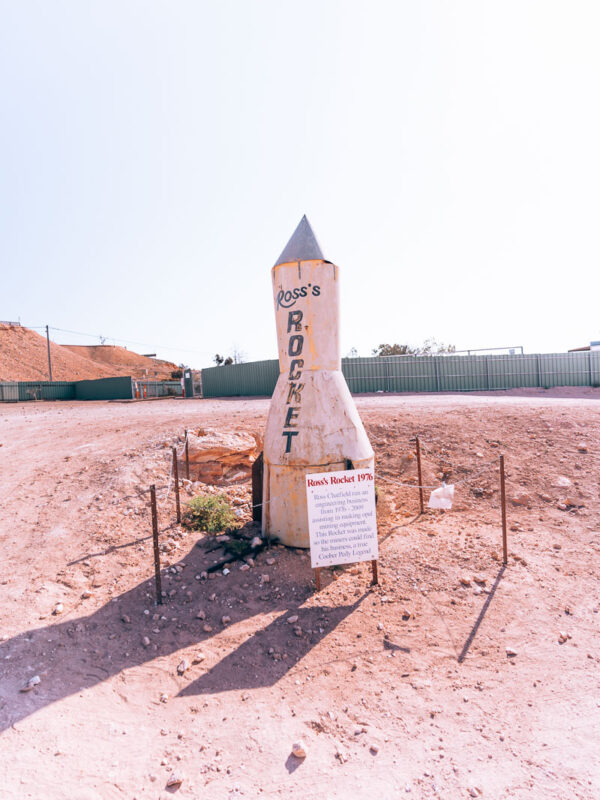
{"x":74,"y":654}
{"x":252,"y":666}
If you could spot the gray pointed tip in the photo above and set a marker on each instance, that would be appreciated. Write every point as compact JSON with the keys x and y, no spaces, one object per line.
{"x":302,"y":246}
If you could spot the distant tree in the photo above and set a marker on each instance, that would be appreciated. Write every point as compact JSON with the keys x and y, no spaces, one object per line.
{"x":352,"y":353}
{"x":430,"y":347}
{"x":393,"y":350}
{"x":238,"y":357}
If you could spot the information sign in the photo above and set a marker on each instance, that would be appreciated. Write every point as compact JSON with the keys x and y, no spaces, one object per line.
{"x":342,"y":520}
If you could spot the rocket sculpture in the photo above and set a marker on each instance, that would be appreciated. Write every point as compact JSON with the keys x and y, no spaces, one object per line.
{"x":313,"y":424}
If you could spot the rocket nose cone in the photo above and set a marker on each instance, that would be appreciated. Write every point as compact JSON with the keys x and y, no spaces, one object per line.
{"x":302,"y":246}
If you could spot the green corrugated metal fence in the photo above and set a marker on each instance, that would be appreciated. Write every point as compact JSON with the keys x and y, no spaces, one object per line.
{"x":46,"y":390}
{"x":422,"y":373}
{"x":9,"y":392}
{"x":118,"y":388}
{"x":254,"y":378}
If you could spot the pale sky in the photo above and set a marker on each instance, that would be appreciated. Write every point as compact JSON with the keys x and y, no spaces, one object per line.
{"x":155,"y":157}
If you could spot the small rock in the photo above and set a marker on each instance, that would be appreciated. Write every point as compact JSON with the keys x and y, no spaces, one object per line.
{"x":465,"y":581}
{"x":545,"y":497}
{"x":380,"y":626}
{"x":31,"y":683}
{"x":474,"y":791}
{"x":198,"y":658}
{"x":207,"y":628}
{"x":557,"y":546}
{"x":86,"y":595}
{"x":183,"y":666}
{"x":225,"y":619}
{"x":244,"y":567}
{"x":582,"y":447}
{"x":521,"y":499}
{"x":479,"y":579}
{"x":58,"y":608}
{"x":201,"y":614}
{"x":292,"y":619}
{"x":163,"y":698}
{"x":299,"y":750}
{"x":125,"y":618}
{"x":563,"y":636}
{"x":270,"y":562}
{"x":146,"y":641}
{"x":265,"y":578}
{"x":374,"y":749}
{"x":174,"y":780}
{"x":298,"y":630}
{"x":256,"y":542}
{"x":510,"y":652}
{"x":226,"y":571}
{"x":562,"y":481}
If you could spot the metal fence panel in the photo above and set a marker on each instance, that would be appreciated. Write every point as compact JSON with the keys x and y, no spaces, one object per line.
{"x":254,"y":378}
{"x":565,"y":369}
{"x":46,"y":390}
{"x":513,"y":372}
{"x":594,"y":367}
{"x":118,"y":388}
{"x":366,"y":374}
{"x":9,"y":392}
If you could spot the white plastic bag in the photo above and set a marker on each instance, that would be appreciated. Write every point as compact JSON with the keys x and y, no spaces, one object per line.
{"x":442,"y":497}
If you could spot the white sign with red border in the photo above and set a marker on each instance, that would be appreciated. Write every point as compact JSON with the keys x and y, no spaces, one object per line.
{"x":342,"y":521}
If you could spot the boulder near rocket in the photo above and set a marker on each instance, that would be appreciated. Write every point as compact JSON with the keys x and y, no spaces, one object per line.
{"x":313,"y":424}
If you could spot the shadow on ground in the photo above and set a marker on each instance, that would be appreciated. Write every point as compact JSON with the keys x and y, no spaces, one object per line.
{"x":71,"y":655}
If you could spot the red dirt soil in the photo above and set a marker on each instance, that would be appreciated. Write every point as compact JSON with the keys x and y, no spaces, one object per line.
{"x":402,"y":690}
{"x":134,"y":364}
{"x":24,"y":357}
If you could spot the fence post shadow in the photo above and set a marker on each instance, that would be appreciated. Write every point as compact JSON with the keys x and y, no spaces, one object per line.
{"x":482,"y":613}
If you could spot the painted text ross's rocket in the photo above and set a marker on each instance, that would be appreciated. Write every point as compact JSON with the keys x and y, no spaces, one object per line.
{"x":313,"y":424}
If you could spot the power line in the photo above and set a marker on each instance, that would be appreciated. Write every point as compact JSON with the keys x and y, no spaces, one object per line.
{"x":116,"y":339}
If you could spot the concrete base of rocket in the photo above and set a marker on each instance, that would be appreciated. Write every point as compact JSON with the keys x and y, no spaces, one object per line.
{"x":329,"y":432}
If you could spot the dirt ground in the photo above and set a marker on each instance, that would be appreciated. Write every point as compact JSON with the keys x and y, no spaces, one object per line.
{"x":424,"y":686}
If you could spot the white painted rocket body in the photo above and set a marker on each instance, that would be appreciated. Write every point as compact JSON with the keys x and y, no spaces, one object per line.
{"x":313,"y":424}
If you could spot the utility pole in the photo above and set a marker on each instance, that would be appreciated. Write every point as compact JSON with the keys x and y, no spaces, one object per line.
{"x":49,"y":358}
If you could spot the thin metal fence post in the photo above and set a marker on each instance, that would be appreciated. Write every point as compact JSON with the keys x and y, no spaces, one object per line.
{"x":420,"y":475}
{"x":176,"y":481}
{"x":187,"y":457}
{"x":155,"y":543}
{"x":503,"y":502}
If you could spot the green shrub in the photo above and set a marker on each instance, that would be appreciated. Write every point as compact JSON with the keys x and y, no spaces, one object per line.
{"x":209,"y":513}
